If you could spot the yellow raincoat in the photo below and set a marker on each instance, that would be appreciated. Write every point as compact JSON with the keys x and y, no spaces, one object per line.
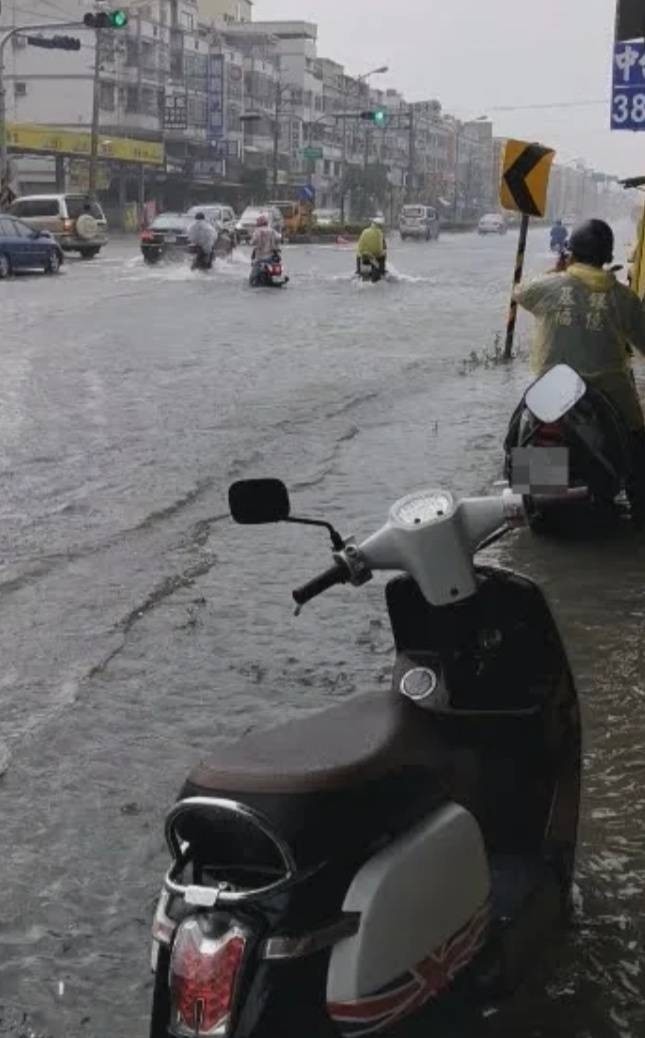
{"x":371,"y":243}
{"x":586,"y":318}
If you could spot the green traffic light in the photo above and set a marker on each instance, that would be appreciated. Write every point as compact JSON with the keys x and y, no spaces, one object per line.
{"x":118,"y":19}
{"x":380,"y":117}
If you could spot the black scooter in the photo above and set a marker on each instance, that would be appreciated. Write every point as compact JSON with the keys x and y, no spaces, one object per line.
{"x":407,"y":850}
{"x":202,"y":259}
{"x":567,"y":451}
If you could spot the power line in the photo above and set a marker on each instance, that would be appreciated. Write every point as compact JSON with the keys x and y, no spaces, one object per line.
{"x":552,"y":104}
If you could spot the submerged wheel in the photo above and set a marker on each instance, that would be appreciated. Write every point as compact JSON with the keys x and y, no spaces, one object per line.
{"x":5,"y":266}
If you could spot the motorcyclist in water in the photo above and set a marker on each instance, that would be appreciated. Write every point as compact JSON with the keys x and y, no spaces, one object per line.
{"x":265,"y":241}
{"x":372,"y":243}
{"x":202,"y":235}
{"x":587,"y":319}
{"x":559,"y":236}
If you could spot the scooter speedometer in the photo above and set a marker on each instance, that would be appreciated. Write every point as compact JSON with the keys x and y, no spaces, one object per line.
{"x":426,"y":506}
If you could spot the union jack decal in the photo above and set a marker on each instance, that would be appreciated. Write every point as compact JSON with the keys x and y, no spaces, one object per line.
{"x":413,"y":989}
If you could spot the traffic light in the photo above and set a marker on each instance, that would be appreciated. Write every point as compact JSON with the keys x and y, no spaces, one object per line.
{"x":117,"y":19}
{"x":378,"y":116}
{"x":55,"y":42}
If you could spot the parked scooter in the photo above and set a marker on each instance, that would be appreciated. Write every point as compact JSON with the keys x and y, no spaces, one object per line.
{"x":567,"y":452}
{"x":406,"y":849}
{"x":268,"y":273}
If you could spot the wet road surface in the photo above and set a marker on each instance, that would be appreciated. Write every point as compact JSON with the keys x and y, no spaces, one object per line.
{"x":137,"y":624}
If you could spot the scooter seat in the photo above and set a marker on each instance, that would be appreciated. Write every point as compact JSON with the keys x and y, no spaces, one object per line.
{"x":356,"y":771}
{"x":362,"y":739}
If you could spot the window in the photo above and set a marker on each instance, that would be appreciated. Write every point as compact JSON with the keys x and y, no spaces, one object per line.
{"x":76,"y":205}
{"x":187,"y":21}
{"x":132,"y":99}
{"x":36,"y":207}
{"x":132,"y":51}
{"x":148,"y":56}
{"x":19,"y":230}
{"x":20,"y":89}
{"x":106,"y":97}
{"x":149,"y":103}
{"x":197,"y":111}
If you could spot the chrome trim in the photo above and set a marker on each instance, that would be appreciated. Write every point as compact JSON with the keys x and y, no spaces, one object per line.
{"x":308,"y":944}
{"x":209,"y":897}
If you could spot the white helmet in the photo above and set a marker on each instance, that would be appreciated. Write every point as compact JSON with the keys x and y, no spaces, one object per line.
{"x":378,"y":221}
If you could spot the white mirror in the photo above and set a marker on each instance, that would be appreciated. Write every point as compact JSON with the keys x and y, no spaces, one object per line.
{"x":555,"y":393}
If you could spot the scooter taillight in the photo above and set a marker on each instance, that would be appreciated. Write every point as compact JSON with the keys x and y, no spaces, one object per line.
{"x":276,"y":271}
{"x":549,"y":433}
{"x":204,"y":970}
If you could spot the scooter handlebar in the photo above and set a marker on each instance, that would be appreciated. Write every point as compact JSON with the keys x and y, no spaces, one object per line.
{"x":336,"y":574}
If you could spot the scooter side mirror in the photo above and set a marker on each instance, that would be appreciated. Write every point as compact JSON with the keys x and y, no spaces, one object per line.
{"x":555,"y":393}
{"x":256,"y":501}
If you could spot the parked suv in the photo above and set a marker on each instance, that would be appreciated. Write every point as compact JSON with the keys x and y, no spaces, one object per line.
{"x":419,"y":221}
{"x":77,"y":224}
{"x":222,"y":215}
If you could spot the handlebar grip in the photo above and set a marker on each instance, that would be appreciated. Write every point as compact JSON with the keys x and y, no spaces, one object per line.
{"x":336,"y":574}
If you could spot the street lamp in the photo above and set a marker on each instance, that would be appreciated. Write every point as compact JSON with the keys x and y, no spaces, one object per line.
{"x":381,"y":70}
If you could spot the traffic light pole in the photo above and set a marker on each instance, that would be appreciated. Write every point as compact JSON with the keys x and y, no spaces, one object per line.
{"x":94,"y":139}
{"x":4,"y":147}
{"x":409,"y":187}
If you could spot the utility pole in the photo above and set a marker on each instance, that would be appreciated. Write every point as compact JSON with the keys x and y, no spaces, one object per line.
{"x":94,"y":140}
{"x":455,"y":198}
{"x":279,"y":91}
{"x":411,"y":154}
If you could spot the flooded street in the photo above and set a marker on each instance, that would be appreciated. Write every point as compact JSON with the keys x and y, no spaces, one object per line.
{"x":138,"y":624}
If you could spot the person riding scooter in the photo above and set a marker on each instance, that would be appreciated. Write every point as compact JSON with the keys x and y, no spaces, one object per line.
{"x":202,"y":236}
{"x":265,"y":241}
{"x":558,"y":236}
{"x":587,"y":319}
{"x":372,"y":246}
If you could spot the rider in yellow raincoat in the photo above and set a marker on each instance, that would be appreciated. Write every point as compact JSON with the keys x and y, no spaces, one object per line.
{"x":372,"y":243}
{"x":587,"y":319}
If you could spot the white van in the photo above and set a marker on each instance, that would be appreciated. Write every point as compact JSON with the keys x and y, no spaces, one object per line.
{"x":419,"y":221}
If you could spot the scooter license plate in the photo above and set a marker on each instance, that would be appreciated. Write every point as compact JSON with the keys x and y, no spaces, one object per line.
{"x":540,"y":470}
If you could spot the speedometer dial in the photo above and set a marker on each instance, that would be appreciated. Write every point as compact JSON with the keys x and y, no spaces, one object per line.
{"x":423,"y":507}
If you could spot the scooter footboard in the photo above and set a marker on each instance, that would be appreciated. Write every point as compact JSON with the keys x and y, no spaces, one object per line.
{"x":423,"y":910}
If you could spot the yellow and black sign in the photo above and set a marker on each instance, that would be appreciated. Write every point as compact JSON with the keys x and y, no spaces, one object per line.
{"x":525,"y":177}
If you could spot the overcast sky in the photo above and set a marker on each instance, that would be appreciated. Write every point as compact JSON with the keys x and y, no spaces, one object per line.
{"x":475,"y":55}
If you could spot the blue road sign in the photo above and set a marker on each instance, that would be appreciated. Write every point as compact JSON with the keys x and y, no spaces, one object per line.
{"x":628,"y":93}
{"x":306,"y":193}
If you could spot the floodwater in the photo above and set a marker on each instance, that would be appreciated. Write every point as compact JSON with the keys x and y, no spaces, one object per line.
{"x":138,"y":624}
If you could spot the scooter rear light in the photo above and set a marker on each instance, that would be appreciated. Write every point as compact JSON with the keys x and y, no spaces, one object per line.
{"x":204,"y":971}
{"x":147,"y":236}
{"x":549,"y":432}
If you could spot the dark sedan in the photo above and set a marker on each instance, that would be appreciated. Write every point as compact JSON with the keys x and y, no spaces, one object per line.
{"x":165,"y":237}
{"x":23,"y":248}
